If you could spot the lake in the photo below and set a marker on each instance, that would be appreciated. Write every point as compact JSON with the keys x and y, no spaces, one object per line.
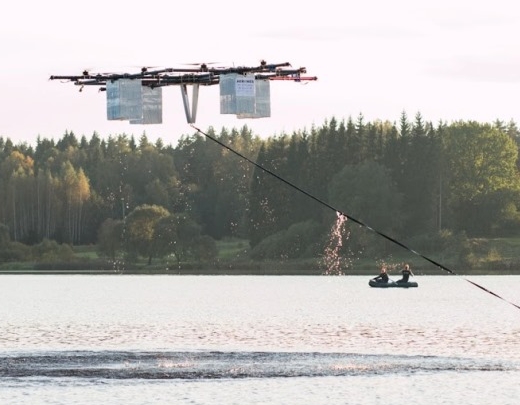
{"x":121,"y":339}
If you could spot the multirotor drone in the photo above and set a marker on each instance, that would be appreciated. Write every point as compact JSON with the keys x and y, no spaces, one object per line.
{"x":137,"y":97}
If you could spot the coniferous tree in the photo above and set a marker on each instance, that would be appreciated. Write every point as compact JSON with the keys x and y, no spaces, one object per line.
{"x":420,"y":178}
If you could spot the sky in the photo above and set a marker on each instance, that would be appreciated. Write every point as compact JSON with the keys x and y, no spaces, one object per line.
{"x":445,"y":59}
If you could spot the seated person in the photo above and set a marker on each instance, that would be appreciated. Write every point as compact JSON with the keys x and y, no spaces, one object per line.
{"x":406,"y":272}
{"x":383,"y":276}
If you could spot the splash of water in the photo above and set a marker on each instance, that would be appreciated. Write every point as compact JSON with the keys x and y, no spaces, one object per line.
{"x":332,"y":259}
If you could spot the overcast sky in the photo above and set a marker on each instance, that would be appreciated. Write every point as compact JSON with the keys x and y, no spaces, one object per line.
{"x":447,"y":59}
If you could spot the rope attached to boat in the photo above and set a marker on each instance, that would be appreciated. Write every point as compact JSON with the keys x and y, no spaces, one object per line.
{"x":357,"y":221}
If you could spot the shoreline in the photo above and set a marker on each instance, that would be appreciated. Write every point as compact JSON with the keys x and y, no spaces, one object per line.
{"x":242,"y":272}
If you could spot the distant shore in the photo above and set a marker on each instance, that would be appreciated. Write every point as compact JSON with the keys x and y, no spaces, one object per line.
{"x":242,"y":272}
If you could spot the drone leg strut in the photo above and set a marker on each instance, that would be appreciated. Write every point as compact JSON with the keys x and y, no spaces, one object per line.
{"x":191,"y":113}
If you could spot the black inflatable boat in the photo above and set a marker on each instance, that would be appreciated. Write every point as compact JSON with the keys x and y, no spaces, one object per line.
{"x":392,"y":284}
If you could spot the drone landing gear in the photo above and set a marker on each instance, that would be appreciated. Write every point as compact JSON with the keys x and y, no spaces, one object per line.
{"x":191,"y":113}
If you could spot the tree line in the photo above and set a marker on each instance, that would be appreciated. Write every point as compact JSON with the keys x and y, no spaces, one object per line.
{"x":411,"y":179}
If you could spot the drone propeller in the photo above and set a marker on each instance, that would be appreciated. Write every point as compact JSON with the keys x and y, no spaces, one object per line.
{"x":202,"y":65}
{"x":199,"y":63}
{"x":145,"y":68}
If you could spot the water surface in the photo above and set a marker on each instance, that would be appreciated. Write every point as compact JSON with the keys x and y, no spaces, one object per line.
{"x":257,"y":340}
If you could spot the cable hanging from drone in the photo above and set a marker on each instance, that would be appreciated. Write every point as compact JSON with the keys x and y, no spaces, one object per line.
{"x":137,"y":97}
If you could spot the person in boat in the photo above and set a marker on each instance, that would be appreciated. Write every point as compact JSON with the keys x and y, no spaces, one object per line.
{"x":406,"y":272}
{"x":383,"y":276}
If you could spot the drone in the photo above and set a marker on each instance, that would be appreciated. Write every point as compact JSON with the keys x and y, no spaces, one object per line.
{"x":137,"y":97}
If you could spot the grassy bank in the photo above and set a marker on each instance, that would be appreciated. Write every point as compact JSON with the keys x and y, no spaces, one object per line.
{"x":486,"y":256}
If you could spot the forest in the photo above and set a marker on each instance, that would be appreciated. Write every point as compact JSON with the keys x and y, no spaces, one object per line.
{"x":432,"y":186}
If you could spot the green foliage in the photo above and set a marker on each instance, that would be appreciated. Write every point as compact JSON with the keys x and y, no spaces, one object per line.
{"x":15,"y":252}
{"x":408,"y":179}
{"x":180,"y":236}
{"x":4,"y":235}
{"x":110,"y":238}
{"x":299,"y":241}
{"x":232,"y":248}
{"x":48,"y":251}
{"x":139,"y":230}
{"x":165,"y":236}
{"x":483,"y":177}
{"x":205,"y":249}
{"x":271,"y":247}
{"x":151,"y":231}
{"x":458,"y":246}
{"x":367,"y":193}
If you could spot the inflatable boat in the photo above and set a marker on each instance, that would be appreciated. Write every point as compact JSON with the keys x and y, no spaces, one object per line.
{"x":392,"y":284}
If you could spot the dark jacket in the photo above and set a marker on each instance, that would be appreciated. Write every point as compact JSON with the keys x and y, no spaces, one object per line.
{"x":382,"y":278}
{"x":406,"y":276}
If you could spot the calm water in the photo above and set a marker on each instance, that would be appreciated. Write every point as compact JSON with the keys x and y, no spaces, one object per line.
{"x":257,"y":340}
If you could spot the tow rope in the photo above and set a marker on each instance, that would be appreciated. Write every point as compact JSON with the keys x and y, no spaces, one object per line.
{"x":395,"y":241}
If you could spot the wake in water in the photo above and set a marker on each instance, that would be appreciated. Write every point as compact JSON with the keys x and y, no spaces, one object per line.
{"x":225,"y":365}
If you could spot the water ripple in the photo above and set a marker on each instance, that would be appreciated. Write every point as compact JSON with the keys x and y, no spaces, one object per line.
{"x":225,"y":365}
